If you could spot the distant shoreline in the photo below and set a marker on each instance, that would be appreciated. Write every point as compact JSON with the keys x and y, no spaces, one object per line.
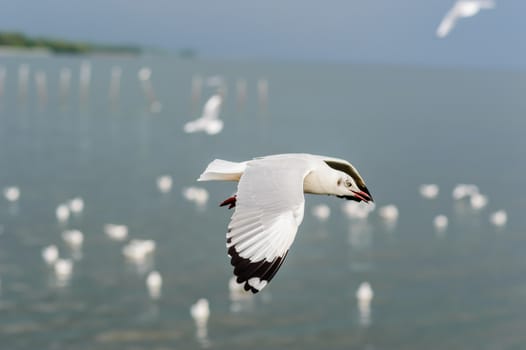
{"x":13,"y":43}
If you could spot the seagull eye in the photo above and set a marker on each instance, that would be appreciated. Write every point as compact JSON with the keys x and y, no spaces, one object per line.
{"x":348,"y":183}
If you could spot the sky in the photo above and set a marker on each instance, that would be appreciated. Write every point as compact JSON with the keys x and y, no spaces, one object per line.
{"x":370,"y":31}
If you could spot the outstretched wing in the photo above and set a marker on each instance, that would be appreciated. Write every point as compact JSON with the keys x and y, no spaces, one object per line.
{"x":448,"y":22}
{"x":269,"y":209}
{"x":212,"y":107}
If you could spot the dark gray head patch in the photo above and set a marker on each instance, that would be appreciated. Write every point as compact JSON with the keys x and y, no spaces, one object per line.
{"x":349,"y":170}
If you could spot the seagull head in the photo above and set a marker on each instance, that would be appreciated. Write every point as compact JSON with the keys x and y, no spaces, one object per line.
{"x":347,"y":182}
{"x":349,"y":189}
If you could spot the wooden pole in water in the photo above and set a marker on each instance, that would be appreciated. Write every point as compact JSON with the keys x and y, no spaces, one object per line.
{"x":64,"y":84}
{"x":84,"y":81}
{"x":115,"y":84}
{"x":144,"y":75}
{"x":23,"y":80}
{"x":41,"y":87}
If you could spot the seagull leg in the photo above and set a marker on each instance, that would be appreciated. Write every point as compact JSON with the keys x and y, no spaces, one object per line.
{"x":231,"y":202}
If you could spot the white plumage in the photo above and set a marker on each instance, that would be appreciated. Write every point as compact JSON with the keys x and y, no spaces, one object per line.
{"x":440,"y":222}
{"x":62,"y":213}
{"x":76,"y":205}
{"x":388,"y":213}
{"x":499,"y":218}
{"x":461,"y":9}
{"x":164,"y":183}
{"x":270,"y":206}
{"x":116,"y":232}
{"x":50,"y":254}
{"x":321,"y":212}
{"x":209,"y":121}
{"x":73,"y":238}
{"x":429,"y":191}
{"x":12,"y":193}
{"x":154,"y":283}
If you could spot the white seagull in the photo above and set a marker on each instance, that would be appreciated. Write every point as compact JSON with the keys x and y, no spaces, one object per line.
{"x":461,"y":9}
{"x":270,"y":204}
{"x":209,"y":121}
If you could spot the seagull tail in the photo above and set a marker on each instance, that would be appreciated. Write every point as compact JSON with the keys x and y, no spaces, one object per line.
{"x":223,"y":170}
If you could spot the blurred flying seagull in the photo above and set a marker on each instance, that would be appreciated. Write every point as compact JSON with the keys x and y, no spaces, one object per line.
{"x":270,"y":204}
{"x":209,"y":121}
{"x":461,"y":9}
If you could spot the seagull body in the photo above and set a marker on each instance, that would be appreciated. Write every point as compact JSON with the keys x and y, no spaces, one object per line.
{"x":388,"y":213}
{"x":440,"y":222}
{"x":76,"y":205}
{"x":429,"y":191}
{"x":50,"y":254}
{"x":116,"y":232}
{"x":270,"y":205}
{"x":321,"y":212}
{"x":164,"y":183}
{"x":461,"y":9}
{"x":499,"y":218}
{"x":12,"y":193}
{"x":62,"y":213}
{"x":209,"y":121}
{"x":154,"y":282}
{"x":73,"y":238}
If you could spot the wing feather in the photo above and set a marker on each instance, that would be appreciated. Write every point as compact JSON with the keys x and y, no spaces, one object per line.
{"x":269,"y":209}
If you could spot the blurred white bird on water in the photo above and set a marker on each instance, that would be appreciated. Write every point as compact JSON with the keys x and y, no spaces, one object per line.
{"x":321,"y":212}
{"x":164,"y":183}
{"x":440,"y":222}
{"x":462,"y":191}
{"x":499,"y":218}
{"x":62,"y":213}
{"x":76,"y":205}
{"x":154,"y":283}
{"x":388,"y":213}
{"x":74,"y":239}
{"x":478,"y":201}
{"x":429,"y":191}
{"x":12,"y":193}
{"x":197,"y":195}
{"x":50,"y":254}
{"x":116,"y":232}
{"x":138,"y":249}
{"x":461,"y":9}
{"x":357,"y":210}
{"x":364,"y":297}
{"x":209,"y":121}
{"x":63,"y":269}
{"x":200,"y":312}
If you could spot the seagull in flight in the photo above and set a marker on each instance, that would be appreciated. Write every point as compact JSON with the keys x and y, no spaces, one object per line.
{"x":269,"y":206}
{"x":209,"y":121}
{"x":461,"y":9}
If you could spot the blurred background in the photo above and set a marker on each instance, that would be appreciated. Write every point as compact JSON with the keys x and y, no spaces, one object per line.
{"x":110,"y":110}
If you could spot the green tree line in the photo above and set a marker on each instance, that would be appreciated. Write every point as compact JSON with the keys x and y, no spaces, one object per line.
{"x":13,"y":39}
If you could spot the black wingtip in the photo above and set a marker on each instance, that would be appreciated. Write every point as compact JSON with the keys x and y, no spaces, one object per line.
{"x":245,"y":269}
